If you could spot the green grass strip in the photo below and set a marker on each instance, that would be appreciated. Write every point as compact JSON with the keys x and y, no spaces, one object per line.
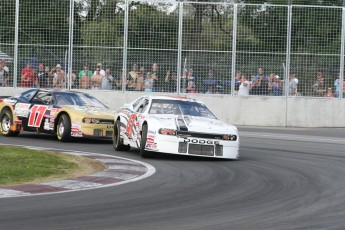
{"x":20,"y":165}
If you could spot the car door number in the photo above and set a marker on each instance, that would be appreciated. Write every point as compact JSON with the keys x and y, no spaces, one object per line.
{"x":36,"y":115}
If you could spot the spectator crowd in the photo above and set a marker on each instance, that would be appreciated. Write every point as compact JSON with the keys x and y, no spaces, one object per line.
{"x":152,"y":79}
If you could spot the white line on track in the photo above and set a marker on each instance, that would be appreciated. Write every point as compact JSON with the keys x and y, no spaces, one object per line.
{"x":293,"y":137}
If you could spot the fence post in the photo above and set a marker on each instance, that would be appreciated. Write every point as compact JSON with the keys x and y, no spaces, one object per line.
{"x":15,"y":61}
{"x":70,"y":45}
{"x":125,"y":47}
{"x":179,"y":49}
{"x":233,"y":59}
{"x":288,"y":51}
{"x":342,"y":47}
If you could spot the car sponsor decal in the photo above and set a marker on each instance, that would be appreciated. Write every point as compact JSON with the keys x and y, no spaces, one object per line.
{"x":22,"y":110}
{"x":152,"y":132}
{"x":131,"y":125}
{"x":76,"y":125}
{"x":151,"y":146}
{"x":150,"y":139}
{"x":126,"y":112}
{"x":36,"y":115}
{"x":52,"y":114}
{"x":201,"y":141}
{"x":46,"y":125}
{"x":75,"y":133}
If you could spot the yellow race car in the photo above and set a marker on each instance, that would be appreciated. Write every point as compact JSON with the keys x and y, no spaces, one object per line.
{"x":62,"y":113}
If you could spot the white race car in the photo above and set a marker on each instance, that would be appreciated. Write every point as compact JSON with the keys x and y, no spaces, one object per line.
{"x":175,"y":125}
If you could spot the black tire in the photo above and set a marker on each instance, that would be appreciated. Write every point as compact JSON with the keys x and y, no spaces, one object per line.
{"x":117,"y":141}
{"x":143,"y":152}
{"x":63,"y":128}
{"x":6,"y":120}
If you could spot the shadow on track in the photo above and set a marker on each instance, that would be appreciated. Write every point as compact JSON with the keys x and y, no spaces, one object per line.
{"x":48,"y":137}
{"x":173,"y":157}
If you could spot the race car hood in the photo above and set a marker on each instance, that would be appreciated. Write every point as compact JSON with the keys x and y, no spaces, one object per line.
{"x":194,"y":124}
{"x":91,"y":110}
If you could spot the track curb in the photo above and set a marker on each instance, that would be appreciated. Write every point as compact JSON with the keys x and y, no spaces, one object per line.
{"x":119,"y":171}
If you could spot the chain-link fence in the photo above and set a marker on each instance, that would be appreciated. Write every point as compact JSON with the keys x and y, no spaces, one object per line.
{"x":177,"y":47}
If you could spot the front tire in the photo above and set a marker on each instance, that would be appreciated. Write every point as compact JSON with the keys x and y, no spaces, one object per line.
{"x":63,"y":129}
{"x":6,"y":120}
{"x":117,"y":141}
{"x":143,"y":152}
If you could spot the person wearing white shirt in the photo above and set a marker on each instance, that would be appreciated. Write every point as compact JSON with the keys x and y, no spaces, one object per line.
{"x":107,"y":80}
{"x":102,"y":72}
{"x":244,"y":87}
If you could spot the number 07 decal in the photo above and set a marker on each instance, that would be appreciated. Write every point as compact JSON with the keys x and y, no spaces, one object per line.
{"x":36,"y":115}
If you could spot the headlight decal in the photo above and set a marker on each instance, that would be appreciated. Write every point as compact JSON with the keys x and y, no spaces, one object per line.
{"x":170,"y":132}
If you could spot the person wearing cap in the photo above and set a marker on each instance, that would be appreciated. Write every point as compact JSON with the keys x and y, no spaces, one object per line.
{"x":275,"y":85}
{"x":59,"y":77}
{"x":28,"y":78}
{"x":102,"y":71}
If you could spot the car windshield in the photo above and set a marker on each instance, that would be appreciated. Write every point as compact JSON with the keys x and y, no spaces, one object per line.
{"x":80,"y":99}
{"x":179,"y":107}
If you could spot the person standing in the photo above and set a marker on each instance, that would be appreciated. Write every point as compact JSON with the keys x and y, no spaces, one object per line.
{"x":293,"y":82}
{"x":28,"y":78}
{"x":107,"y":80}
{"x":42,"y":76}
{"x":59,"y":79}
{"x":140,"y":82}
{"x":319,"y":86}
{"x":148,"y":82}
{"x":3,"y":76}
{"x":155,"y":78}
{"x":243,"y":89}
{"x":85,"y":77}
{"x":131,"y":80}
{"x":6,"y":69}
{"x":96,"y":79}
{"x":101,"y":70}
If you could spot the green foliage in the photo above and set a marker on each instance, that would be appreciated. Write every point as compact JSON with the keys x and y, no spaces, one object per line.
{"x":7,"y":22}
{"x":151,"y":28}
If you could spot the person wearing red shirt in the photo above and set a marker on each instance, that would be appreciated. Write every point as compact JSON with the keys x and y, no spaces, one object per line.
{"x":28,"y":77}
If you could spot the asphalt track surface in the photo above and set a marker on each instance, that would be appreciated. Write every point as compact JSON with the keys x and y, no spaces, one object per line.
{"x":286,"y":178}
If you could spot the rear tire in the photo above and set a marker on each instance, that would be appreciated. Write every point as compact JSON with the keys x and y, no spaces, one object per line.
{"x":143,"y":152}
{"x":6,"y":120}
{"x":63,"y":129}
{"x":117,"y":141}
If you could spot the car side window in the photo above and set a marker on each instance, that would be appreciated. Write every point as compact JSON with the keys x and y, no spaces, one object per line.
{"x":135,"y":104}
{"x":43,"y":98}
{"x":142,"y":106}
{"x":145,"y":106}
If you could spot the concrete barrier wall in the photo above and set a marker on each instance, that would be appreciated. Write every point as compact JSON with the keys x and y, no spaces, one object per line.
{"x":251,"y":111}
